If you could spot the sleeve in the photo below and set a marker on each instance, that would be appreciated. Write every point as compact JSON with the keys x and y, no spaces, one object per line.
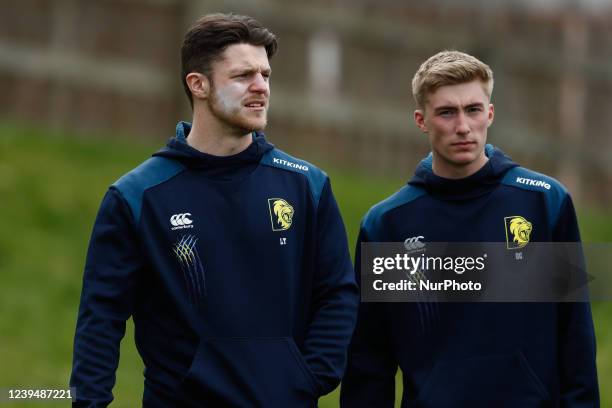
{"x":106,"y":302}
{"x":335,"y":297}
{"x":370,"y":375}
{"x":578,"y":372}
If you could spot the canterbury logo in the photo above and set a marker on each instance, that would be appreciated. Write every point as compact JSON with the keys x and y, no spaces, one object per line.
{"x":414,"y":243}
{"x":181,"y":221}
{"x":281,"y":214}
{"x":518,"y":231}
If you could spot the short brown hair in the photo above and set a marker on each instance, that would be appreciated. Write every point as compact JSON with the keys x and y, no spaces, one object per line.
{"x":449,"y":68}
{"x":212,"y":34}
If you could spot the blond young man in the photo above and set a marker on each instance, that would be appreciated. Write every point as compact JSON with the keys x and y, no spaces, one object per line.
{"x":470,"y":354}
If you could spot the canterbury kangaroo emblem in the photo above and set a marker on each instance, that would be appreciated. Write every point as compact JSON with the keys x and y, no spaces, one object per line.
{"x":181,"y":221}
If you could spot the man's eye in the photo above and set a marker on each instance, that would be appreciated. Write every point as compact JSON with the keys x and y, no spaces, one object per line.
{"x":445,"y":113}
{"x":474,"y":109}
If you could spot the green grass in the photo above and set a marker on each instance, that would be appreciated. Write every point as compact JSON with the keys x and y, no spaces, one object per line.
{"x":50,"y":189}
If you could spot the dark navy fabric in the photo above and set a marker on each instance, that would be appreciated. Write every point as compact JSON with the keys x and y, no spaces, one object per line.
{"x":150,"y":173}
{"x":316,"y":178}
{"x":518,"y":355}
{"x":231,"y":307}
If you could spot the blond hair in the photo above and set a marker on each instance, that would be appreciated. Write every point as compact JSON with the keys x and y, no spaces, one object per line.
{"x":449,"y":68}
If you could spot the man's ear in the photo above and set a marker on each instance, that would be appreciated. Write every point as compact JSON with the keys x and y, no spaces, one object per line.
{"x":199,"y":84}
{"x":419,"y":119}
{"x":491,"y":114}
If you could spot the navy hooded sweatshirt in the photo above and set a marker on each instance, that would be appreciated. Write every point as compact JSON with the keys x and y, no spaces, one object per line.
{"x":455,"y":355}
{"x":237,"y":275}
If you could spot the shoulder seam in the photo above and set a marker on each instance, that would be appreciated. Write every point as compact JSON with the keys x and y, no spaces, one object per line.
{"x":405,"y":195}
{"x":136,"y":182}
{"x":553,"y":191}
{"x":315,"y":177}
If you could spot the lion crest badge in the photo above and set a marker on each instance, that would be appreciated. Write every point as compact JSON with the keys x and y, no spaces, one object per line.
{"x":281,"y":214}
{"x":518,"y":231}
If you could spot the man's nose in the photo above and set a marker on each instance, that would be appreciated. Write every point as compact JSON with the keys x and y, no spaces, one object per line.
{"x":462,"y":124}
{"x":260,"y":84}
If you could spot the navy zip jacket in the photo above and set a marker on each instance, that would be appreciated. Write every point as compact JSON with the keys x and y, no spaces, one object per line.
{"x":237,"y":275}
{"x":456,"y":355}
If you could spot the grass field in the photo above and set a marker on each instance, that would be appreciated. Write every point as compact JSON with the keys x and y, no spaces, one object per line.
{"x":50,"y":188}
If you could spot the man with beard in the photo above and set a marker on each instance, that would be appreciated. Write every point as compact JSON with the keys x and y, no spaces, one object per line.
{"x":466,"y":355}
{"x":229,"y":254}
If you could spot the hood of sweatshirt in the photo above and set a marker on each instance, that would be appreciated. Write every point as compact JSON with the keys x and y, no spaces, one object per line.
{"x":219,"y":167}
{"x":483,"y":181}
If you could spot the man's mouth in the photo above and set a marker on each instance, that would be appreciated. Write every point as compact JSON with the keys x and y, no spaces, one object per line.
{"x":255,"y":104}
{"x":463,"y":144}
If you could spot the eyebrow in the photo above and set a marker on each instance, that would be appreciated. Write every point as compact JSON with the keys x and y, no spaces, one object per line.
{"x":249,"y":70}
{"x":474,"y":105}
{"x":454,"y":107}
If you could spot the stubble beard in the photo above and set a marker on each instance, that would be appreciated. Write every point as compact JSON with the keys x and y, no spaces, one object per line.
{"x":228,"y":111}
